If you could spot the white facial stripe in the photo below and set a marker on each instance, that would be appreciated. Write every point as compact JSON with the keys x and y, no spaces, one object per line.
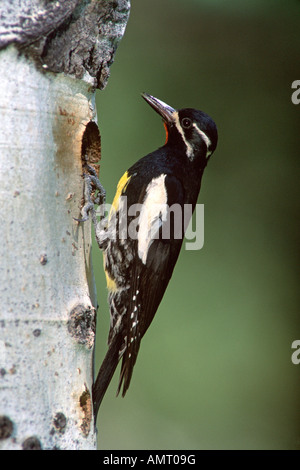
{"x":205,"y":138}
{"x":189,"y":148}
{"x":153,"y":213}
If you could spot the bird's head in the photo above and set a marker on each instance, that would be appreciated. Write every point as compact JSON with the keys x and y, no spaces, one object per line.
{"x":188,"y":127}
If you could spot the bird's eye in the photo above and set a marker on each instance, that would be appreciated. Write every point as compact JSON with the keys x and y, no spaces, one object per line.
{"x":186,"y":123}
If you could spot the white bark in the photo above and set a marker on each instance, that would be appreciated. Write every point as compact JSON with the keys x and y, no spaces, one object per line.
{"x":44,"y":256}
{"x":47,"y":291}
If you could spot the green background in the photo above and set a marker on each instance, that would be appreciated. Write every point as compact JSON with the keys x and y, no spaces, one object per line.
{"x":214,"y":369}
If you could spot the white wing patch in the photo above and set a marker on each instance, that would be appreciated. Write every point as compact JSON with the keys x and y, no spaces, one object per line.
{"x":153,"y":214}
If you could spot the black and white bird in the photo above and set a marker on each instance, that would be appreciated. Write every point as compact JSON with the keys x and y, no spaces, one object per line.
{"x":139,"y":263}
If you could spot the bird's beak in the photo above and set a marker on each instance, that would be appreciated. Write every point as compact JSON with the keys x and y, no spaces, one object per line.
{"x":163,"y":109}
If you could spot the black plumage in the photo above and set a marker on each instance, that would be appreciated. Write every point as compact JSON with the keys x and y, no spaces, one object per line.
{"x":139,"y":267}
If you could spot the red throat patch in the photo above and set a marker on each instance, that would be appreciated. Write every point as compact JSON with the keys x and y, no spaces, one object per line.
{"x":167,"y":132}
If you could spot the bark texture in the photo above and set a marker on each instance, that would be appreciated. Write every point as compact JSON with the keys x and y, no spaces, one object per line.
{"x":77,"y":37}
{"x":52,"y":56}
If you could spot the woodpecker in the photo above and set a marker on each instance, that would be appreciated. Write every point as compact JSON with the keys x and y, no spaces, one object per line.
{"x":138,"y":268}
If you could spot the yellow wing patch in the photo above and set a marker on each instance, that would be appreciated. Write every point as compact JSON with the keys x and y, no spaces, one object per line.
{"x":110,"y":282}
{"x":122,"y":185}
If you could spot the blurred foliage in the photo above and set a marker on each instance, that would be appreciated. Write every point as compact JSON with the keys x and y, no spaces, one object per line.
{"x":214,"y":370}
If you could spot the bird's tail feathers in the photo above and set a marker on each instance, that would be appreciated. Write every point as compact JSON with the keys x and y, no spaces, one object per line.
{"x":128,"y":362}
{"x":116,"y":350}
{"x":106,"y":372}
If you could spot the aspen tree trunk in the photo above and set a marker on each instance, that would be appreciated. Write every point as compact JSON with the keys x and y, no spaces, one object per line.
{"x":53,"y":55}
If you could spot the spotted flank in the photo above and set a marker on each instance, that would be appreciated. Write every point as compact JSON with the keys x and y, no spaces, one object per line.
{"x":131,"y":343}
